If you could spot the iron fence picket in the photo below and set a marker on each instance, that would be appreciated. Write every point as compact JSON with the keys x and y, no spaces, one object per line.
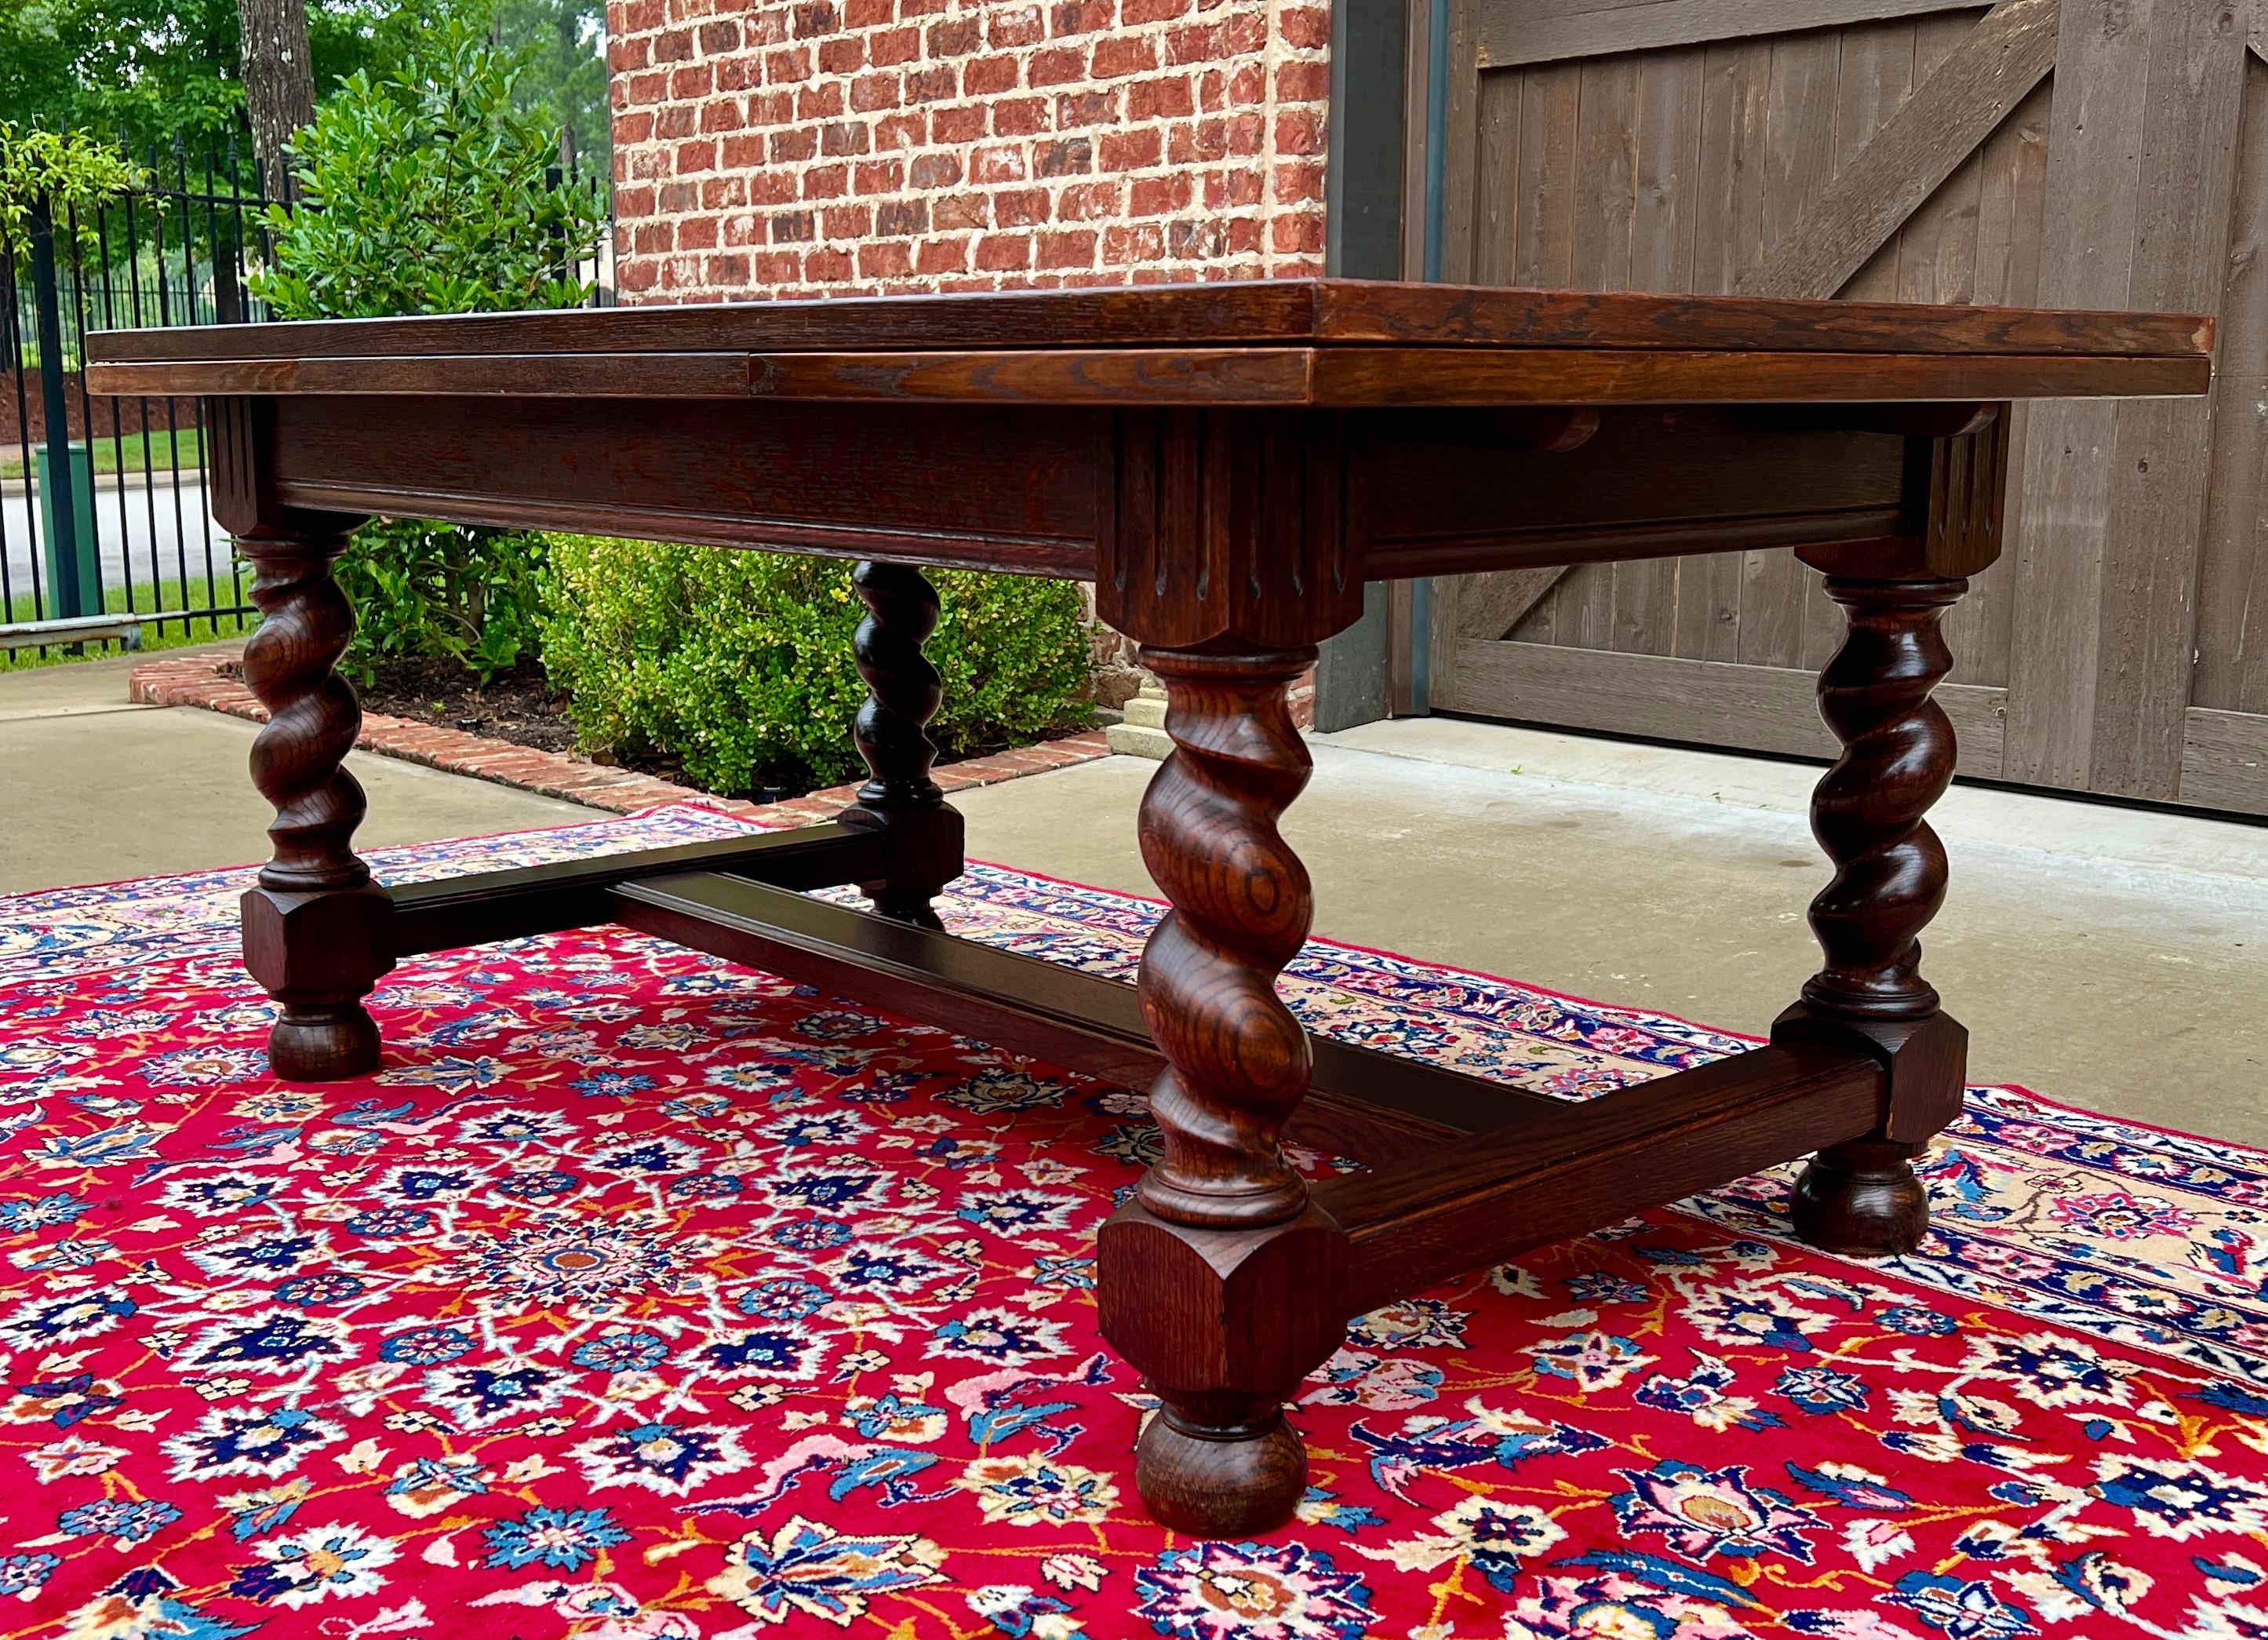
{"x":177,"y":249}
{"x":149,"y":471}
{"x":58,"y":522}
{"x":13,"y":341}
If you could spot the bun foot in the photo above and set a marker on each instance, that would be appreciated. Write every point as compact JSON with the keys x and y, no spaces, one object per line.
{"x":322,"y":1042}
{"x":1862,"y":1200}
{"x":906,"y":906}
{"x":1215,"y":1481}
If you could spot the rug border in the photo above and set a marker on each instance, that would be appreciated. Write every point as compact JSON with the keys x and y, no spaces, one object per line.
{"x":600,"y":816}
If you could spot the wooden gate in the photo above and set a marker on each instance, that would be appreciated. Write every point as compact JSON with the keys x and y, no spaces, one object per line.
{"x":2090,"y":154}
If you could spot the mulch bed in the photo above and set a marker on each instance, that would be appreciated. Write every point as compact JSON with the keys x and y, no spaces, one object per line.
{"x":519,"y":706}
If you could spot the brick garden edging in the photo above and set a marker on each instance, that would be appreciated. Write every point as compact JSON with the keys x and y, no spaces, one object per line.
{"x":199,"y":681}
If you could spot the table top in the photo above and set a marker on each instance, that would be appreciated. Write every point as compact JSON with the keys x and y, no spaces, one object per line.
{"x":1320,"y":343}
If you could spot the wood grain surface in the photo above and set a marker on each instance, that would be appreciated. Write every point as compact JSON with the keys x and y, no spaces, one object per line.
{"x":1869,"y":813}
{"x":1292,"y":343}
{"x":1237,"y":1060}
{"x":1367,"y":1105}
{"x":1342,"y":377}
{"x":315,"y":921}
{"x":1563,"y":1171}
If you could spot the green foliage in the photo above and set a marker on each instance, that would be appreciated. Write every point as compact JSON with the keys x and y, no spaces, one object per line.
{"x":422,"y":191}
{"x":158,"y":72}
{"x":161,"y":73}
{"x":74,"y":173}
{"x":429,"y":589}
{"x":155,"y":70}
{"x":562,"y":49}
{"x":740,"y":664}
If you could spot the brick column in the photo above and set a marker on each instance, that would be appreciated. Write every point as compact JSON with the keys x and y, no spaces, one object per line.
{"x":831,"y":147}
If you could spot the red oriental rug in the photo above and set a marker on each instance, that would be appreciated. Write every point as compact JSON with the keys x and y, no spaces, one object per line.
{"x":641,"y":1294}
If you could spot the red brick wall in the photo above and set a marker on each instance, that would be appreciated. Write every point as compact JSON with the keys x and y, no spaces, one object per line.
{"x":35,"y":408}
{"x":813,"y":147}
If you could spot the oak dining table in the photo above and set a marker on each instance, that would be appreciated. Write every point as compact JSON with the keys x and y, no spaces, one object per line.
{"x":1228,"y":464}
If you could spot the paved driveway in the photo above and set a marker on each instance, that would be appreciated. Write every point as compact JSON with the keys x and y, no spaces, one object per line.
{"x":157,"y":533}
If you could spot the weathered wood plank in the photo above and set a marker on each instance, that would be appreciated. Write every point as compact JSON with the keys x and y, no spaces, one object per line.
{"x":1664,"y":219}
{"x":2225,"y":760}
{"x":1544,"y":624}
{"x":2094,"y":186}
{"x":1712,"y":703}
{"x":1496,"y":197}
{"x":1515,"y":32}
{"x":2231,"y":669}
{"x":1460,"y":203}
{"x":1543,"y":246}
{"x":1490,"y":606}
{"x":1662,"y":229}
{"x":1876,"y":78}
{"x":2013,"y":173}
{"x":1799,"y":167}
{"x":1954,"y":110}
{"x":1541,"y":624}
{"x":1604,"y":206}
{"x":2156,"y":528}
{"x":1606,"y":209}
{"x":1728,"y":240}
{"x":1543,"y":252}
{"x":1937,"y":254}
{"x":1728,"y":235}
{"x":1442,"y":639}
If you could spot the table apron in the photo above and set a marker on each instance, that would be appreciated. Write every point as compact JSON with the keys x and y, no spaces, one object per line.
{"x":1042,"y":491}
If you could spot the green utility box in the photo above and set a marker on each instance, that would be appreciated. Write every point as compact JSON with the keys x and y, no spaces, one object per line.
{"x":74,"y":565}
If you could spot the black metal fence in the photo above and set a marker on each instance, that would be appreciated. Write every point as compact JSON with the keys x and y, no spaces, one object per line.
{"x":107,"y":534}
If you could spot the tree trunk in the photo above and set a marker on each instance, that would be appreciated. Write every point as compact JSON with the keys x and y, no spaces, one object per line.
{"x":279,"y":82}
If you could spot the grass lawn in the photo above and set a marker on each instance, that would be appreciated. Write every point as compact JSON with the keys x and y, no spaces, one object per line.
{"x":162,"y":596}
{"x":126,"y":454}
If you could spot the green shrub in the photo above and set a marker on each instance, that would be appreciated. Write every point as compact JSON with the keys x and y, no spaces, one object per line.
{"x":739,"y":664}
{"x":422,"y":191}
{"x":433,"y":590}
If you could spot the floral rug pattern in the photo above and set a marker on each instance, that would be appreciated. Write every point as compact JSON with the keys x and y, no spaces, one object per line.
{"x":641,"y":1295}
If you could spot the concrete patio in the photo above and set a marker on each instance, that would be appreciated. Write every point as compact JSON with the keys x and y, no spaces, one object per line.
{"x":2113,"y":958}
{"x":96,"y":789}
